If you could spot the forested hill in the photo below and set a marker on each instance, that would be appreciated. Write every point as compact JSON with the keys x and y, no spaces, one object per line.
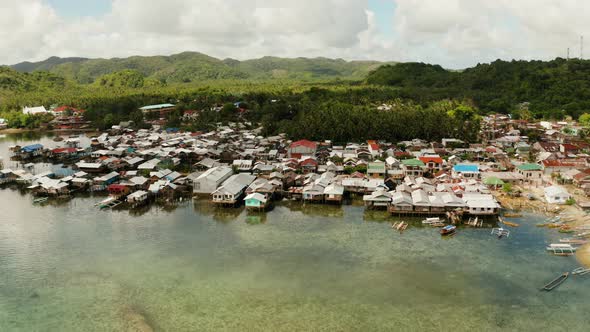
{"x":191,"y":66}
{"x":553,"y":88}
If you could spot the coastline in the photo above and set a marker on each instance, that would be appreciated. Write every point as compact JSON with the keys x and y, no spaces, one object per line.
{"x":583,"y":255}
{"x":38,"y":130}
{"x":571,"y":214}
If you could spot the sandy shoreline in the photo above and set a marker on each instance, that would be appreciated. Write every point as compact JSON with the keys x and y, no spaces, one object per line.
{"x":572,"y":215}
{"x":583,"y":255}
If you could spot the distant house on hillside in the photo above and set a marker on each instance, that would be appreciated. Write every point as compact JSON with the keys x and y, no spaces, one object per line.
{"x":162,"y":108}
{"x":556,"y":195}
{"x":433,"y":163}
{"x":34,"y":110}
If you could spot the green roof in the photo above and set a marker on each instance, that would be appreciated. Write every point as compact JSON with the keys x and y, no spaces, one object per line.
{"x":530,"y":167}
{"x":493,"y":181}
{"x":376,"y":166}
{"x":413,"y":162}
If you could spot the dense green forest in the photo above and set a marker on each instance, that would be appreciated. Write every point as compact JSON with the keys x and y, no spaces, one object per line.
{"x":193,"y":67}
{"x":553,"y":89}
{"x":427,"y":101}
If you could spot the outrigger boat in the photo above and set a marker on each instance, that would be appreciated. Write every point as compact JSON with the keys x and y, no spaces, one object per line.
{"x":500,"y":232}
{"x":400,"y":226}
{"x":561,"y":249}
{"x":555,"y":282}
{"x":573,"y":241}
{"x":40,"y":200}
{"x":475,"y":222}
{"x":580,"y":271}
{"x":448,"y":230}
{"x":430,"y":221}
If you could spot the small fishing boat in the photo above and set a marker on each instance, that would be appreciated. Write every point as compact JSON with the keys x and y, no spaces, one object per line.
{"x":582,"y":235}
{"x":512,"y":215}
{"x":511,"y":224}
{"x":573,"y":241}
{"x":448,"y":230}
{"x":555,"y":282}
{"x":402,"y":226}
{"x":580,"y":271}
{"x":561,"y":249}
{"x":438,"y":224}
{"x":40,"y":200}
{"x":555,"y":225}
{"x":500,"y":232}
{"x":566,"y":230}
{"x":430,"y":221}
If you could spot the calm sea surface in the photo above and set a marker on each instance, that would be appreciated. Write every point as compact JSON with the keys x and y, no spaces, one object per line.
{"x":66,"y":266}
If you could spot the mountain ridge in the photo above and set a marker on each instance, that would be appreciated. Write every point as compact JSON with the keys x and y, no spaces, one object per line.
{"x":190,"y":66}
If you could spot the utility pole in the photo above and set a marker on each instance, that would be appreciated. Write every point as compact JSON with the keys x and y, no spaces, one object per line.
{"x":568,"y":54}
{"x":581,"y":47}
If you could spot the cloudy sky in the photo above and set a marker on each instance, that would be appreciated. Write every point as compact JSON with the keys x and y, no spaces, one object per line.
{"x":454,"y":33}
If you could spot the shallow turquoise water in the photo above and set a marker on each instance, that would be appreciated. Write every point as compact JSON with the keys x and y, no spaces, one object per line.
{"x":69,"y":267}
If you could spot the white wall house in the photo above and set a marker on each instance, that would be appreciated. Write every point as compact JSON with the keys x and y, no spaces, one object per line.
{"x":34,"y":110}
{"x":556,"y":195}
{"x":209,"y":181}
{"x":232,"y":189}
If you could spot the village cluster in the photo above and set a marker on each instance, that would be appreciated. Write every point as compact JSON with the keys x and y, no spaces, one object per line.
{"x":233,"y":166}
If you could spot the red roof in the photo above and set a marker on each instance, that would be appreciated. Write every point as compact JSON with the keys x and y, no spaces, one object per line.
{"x":65,"y":108}
{"x":305,"y":143}
{"x":426,"y":160}
{"x":64,"y":150}
{"x":400,"y":154}
{"x":557,"y":163}
{"x":116,"y":187}
{"x":582,"y":175}
{"x":569,"y":147}
{"x":309,"y":161}
{"x":373,"y":145}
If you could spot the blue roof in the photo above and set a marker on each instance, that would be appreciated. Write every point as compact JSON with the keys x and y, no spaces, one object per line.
{"x":31,"y":148}
{"x":449,"y":227}
{"x":464,"y":168}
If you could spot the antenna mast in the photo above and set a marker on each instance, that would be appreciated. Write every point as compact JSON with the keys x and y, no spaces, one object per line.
{"x":568,"y":53}
{"x":581,"y":47}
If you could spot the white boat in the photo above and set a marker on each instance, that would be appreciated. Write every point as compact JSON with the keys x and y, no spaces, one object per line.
{"x":429,"y":221}
{"x":581,"y":271}
{"x":582,"y":235}
{"x":573,"y":241}
{"x":110,"y":199}
{"x":561,"y":249}
{"x":500,"y":232}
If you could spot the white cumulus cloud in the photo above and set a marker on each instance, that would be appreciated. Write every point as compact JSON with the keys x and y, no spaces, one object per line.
{"x":454,"y":33}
